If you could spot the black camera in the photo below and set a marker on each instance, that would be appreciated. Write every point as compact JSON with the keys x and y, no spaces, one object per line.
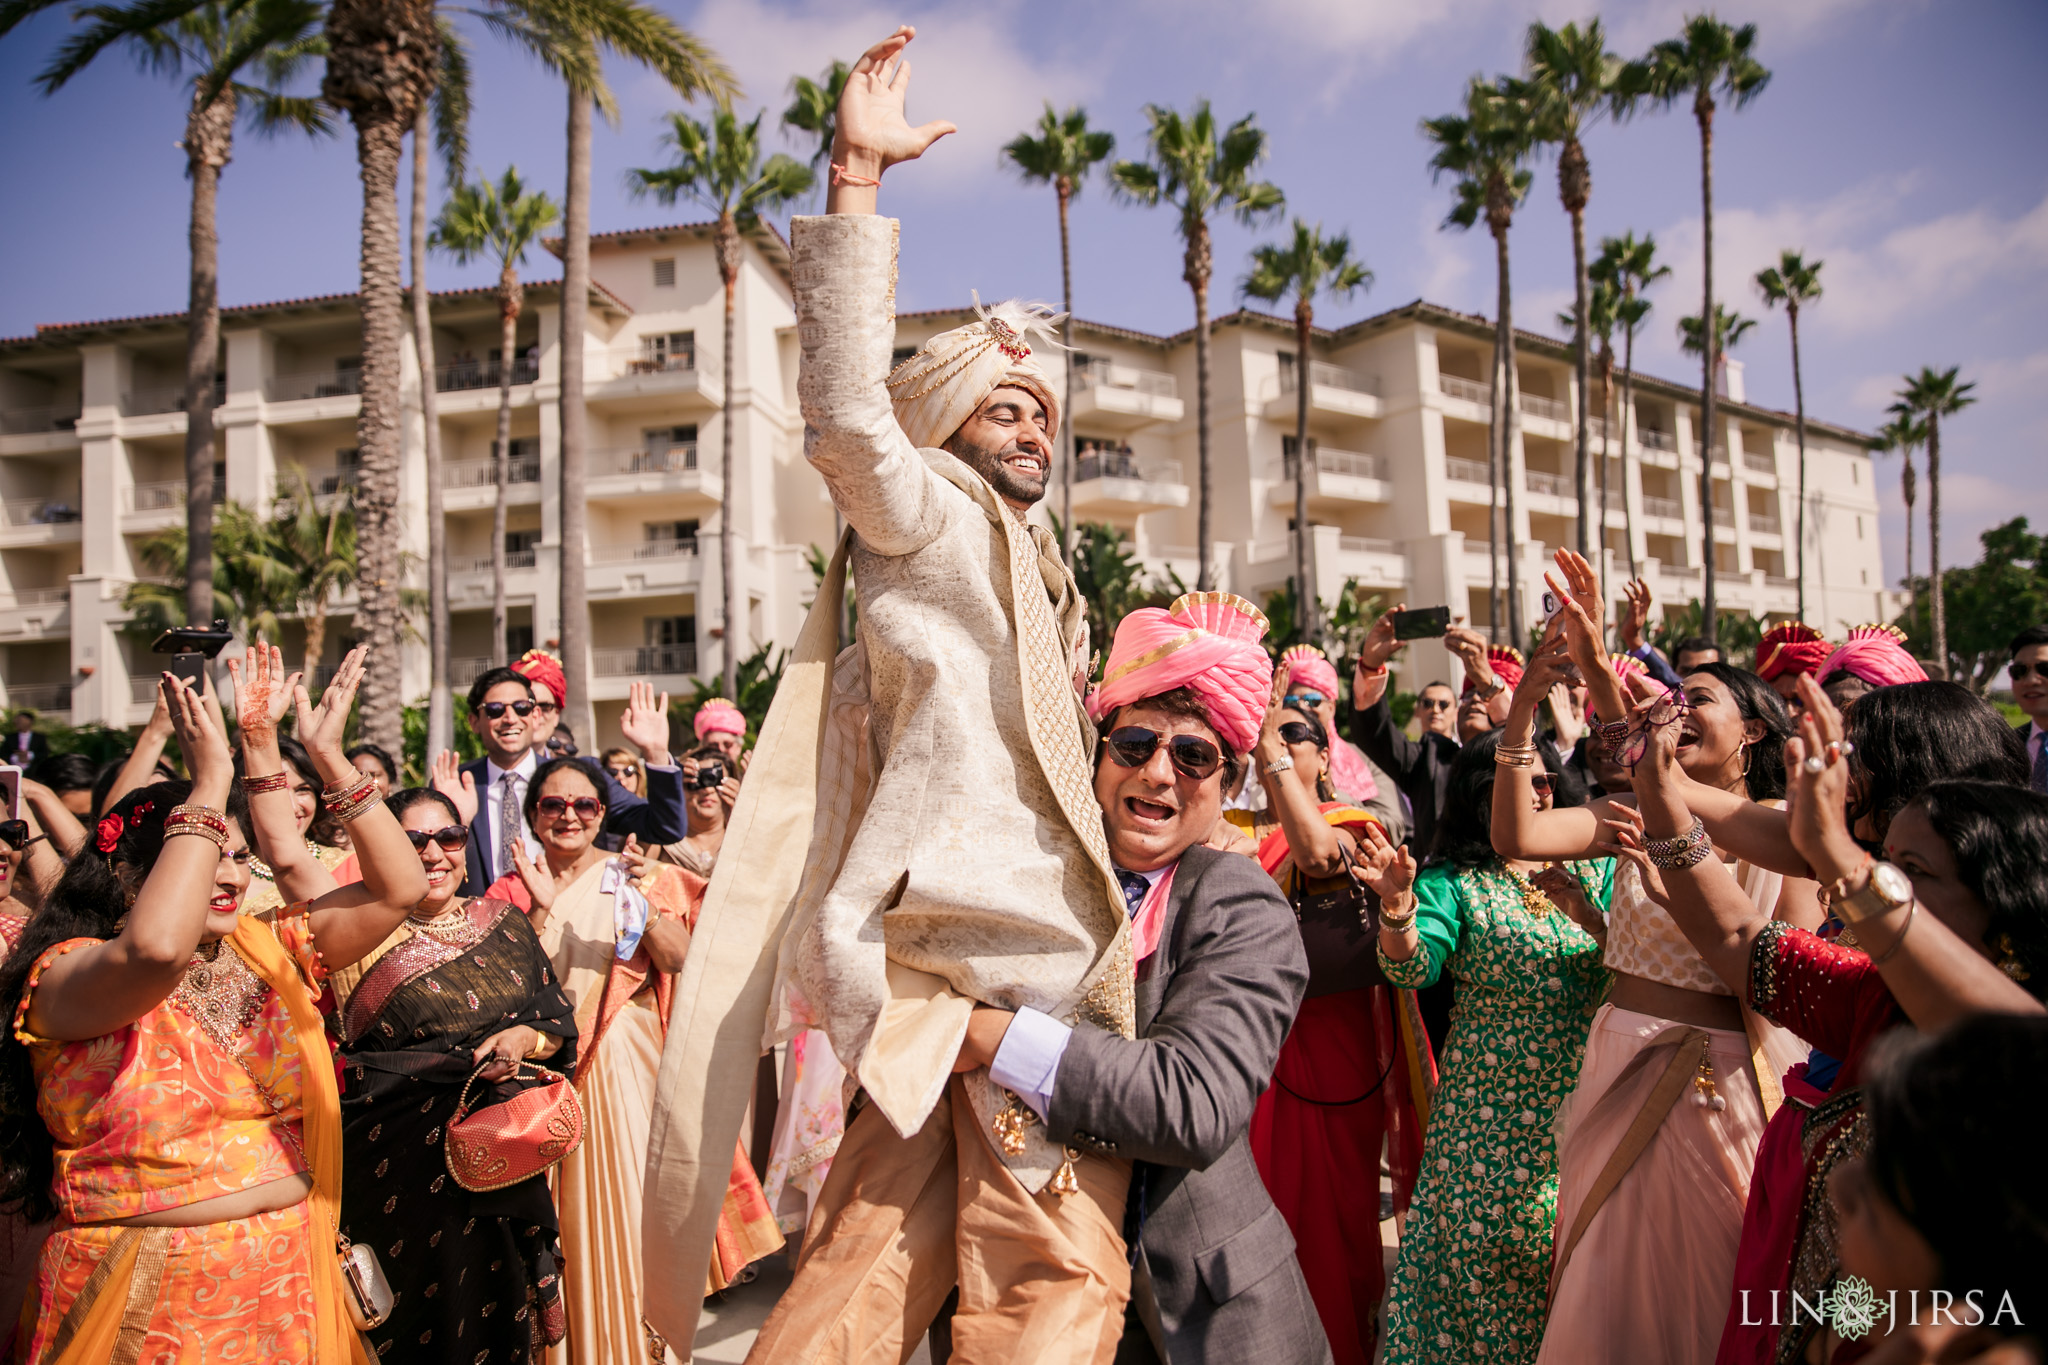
{"x":709,"y":775}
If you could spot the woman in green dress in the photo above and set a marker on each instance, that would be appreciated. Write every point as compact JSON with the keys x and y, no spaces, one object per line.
{"x":1523,"y":943}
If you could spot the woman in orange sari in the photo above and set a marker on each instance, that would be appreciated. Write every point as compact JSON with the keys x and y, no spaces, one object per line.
{"x":1355,"y":1071}
{"x":167,"y":1092}
{"x":616,"y":929}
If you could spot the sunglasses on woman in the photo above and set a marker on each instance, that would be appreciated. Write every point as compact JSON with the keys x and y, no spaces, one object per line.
{"x":14,"y":833}
{"x":1304,"y":699}
{"x":1541,"y":782}
{"x":561,"y":747}
{"x":1297,"y":732}
{"x":622,"y":772}
{"x":586,"y":807}
{"x":449,"y":837}
{"x":1132,"y":746}
{"x":494,"y":709}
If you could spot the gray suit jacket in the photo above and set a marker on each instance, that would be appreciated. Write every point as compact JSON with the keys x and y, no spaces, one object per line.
{"x":1214,"y":1004}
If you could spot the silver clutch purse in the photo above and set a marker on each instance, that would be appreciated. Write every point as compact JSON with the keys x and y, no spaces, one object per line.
{"x":369,"y":1293}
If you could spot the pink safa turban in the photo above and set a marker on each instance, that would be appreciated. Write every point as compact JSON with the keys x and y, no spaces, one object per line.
{"x":718,"y":717}
{"x":1207,"y":642}
{"x":1875,"y":653}
{"x":1349,"y":770}
{"x":1305,"y":664}
{"x":1623,"y":665}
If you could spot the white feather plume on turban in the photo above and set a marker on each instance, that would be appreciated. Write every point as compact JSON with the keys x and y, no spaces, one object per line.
{"x":939,"y":388}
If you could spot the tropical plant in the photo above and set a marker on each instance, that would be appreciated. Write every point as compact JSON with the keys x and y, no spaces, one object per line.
{"x":586,"y":30}
{"x":1632,"y":265}
{"x":814,"y":109}
{"x":1708,"y":58}
{"x":1794,"y":283}
{"x":757,"y":680}
{"x":1901,"y":435}
{"x":499,"y":220}
{"x":1112,"y":581}
{"x":1729,"y":329}
{"x":1988,"y":603}
{"x":237,"y":60}
{"x":1064,"y":152}
{"x":1570,"y":82}
{"x":1932,"y":395}
{"x":254,"y":587}
{"x":1484,"y":147}
{"x":314,"y":537}
{"x":1198,"y":172}
{"x":720,"y":168}
{"x":1737,"y":631}
{"x":1307,"y":264}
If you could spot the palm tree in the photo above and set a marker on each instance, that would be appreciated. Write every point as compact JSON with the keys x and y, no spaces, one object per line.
{"x":253,"y":587}
{"x":1603,"y":311}
{"x":720,"y":168}
{"x":1932,"y":395}
{"x":239,"y":58}
{"x":1307,"y":265}
{"x":1199,"y":174}
{"x":1902,"y":434}
{"x":313,"y":537}
{"x":1708,"y":56}
{"x":1571,"y":81}
{"x":1729,"y":329}
{"x":1485,"y":147}
{"x":1792,"y":282}
{"x":1632,"y":264}
{"x":500,"y":220}
{"x":1062,"y":154}
{"x":814,"y":109}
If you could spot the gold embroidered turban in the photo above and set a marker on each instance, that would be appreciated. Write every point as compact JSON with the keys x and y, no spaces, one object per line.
{"x":939,"y":388}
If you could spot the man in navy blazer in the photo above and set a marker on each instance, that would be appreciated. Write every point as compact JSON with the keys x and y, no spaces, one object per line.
{"x":491,"y":791}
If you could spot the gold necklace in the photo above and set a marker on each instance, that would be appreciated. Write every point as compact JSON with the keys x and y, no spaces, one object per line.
{"x":443,"y":926}
{"x":1533,"y":899}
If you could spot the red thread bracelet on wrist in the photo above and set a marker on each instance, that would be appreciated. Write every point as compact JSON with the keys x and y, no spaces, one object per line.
{"x":842,"y":176}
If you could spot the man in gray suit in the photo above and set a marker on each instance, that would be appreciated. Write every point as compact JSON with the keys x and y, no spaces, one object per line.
{"x":1220,"y":975}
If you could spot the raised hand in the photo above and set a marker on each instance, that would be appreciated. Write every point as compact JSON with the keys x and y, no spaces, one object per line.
{"x":1470,"y":647}
{"x":1638,"y":614}
{"x":872,"y":133}
{"x":1269,"y":747}
{"x":639,"y":859}
{"x":445,"y":775}
{"x":196,"y":722}
{"x":541,"y":884}
{"x":1383,"y":865}
{"x":261,"y":692}
{"x":1379,"y":644}
{"x":321,"y":728}
{"x":644,"y":723}
{"x":1817,"y":788}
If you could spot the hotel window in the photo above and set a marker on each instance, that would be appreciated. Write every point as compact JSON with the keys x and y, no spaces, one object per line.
{"x":668,"y":631}
{"x":665,"y":272}
{"x":668,"y":351}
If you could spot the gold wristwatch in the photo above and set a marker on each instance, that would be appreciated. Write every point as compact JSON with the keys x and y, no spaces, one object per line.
{"x":1885,"y":888}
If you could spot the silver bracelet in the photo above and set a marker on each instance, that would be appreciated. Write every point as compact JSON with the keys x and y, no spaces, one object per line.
{"x":1279,"y":765}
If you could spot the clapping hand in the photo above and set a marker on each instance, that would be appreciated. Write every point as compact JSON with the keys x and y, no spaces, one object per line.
{"x":322,"y":727}
{"x":541,"y":882}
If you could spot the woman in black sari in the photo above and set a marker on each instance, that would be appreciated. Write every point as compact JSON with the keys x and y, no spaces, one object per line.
{"x":477,"y":1276}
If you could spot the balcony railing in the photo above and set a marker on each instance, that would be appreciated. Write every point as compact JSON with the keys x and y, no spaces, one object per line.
{"x":1652,"y":439}
{"x":25,"y":421}
{"x":1778,"y":580}
{"x":463,"y":672}
{"x":1327,"y":377}
{"x":1367,"y":545}
{"x":1114,"y":464}
{"x":1098,"y":373}
{"x":676,"y":459}
{"x":1344,"y":462}
{"x":1689,"y":572}
{"x":1471,"y":390}
{"x":1556,"y":485}
{"x":635,"y":551}
{"x":1538,"y":406}
{"x":1468,"y":471}
{"x":160,"y":494}
{"x":647,"y":660}
{"x":634,"y":360}
{"x":514,"y":559}
{"x":1671,"y":508}
{"x":41,"y":512}
{"x":142,"y":691}
{"x":40,"y":696}
{"x":484,"y":473}
{"x":287,"y":388}
{"x":167,"y":398}
{"x":484,"y":374}
{"x":1760,"y":461}
{"x":34,"y":597}
{"x":1762,"y":524}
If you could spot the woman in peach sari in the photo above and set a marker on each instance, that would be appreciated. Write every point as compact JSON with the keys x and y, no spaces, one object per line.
{"x":616,"y":929}
{"x":167,"y":1091}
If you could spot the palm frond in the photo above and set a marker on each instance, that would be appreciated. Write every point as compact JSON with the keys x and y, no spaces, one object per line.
{"x":452,"y":103}
{"x":814,"y":107}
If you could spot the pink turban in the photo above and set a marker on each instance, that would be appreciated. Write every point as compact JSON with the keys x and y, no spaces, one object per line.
{"x":1349,"y":771}
{"x":718,"y":717}
{"x":1875,"y":653}
{"x":1623,"y":665}
{"x":539,"y":666}
{"x":1207,"y":642}
{"x":1506,"y":663}
{"x":1790,"y":647}
{"x":1307,"y":664}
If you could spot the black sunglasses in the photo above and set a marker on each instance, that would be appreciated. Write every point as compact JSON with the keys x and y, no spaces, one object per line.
{"x":1132,"y":746}
{"x":561,"y":746}
{"x":1297,"y":732}
{"x":2019,"y":671}
{"x":13,"y":833}
{"x":494,"y":709}
{"x":1434,"y":703}
{"x":450,"y":837}
{"x":1540,"y":781}
{"x":586,"y":807}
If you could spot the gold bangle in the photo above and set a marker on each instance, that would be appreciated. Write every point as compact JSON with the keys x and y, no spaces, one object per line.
{"x":352,"y":799}
{"x":204,"y":821}
{"x":272,"y":782}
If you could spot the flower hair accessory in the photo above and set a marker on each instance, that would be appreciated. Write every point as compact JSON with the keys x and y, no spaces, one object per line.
{"x":111,"y":828}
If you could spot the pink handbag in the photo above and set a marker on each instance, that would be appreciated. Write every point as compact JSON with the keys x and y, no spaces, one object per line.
{"x":503,"y":1144}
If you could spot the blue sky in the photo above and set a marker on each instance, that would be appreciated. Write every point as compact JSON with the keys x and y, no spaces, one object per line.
{"x":1899,"y":140}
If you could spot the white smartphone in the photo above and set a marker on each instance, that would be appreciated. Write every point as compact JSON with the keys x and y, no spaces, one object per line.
{"x":10,"y":790}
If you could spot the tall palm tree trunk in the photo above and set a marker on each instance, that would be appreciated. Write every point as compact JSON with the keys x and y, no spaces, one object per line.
{"x":501,"y":458}
{"x":1574,"y":179}
{"x":1308,"y":610}
{"x":1627,"y":418}
{"x":209,"y":133}
{"x":1505,"y":329}
{"x":1064,"y":186}
{"x":440,"y":707}
{"x":574,"y":607}
{"x":1799,"y":426}
{"x":1196,"y":273}
{"x":1907,"y":482}
{"x":1935,"y":594}
{"x":1606,"y":441}
{"x":729,"y":270}
{"x":1496,"y":424}
{"x":381,"y":56}
{"x":1703,"y":109}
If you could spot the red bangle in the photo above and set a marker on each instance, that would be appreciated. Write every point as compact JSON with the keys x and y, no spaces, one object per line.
{"x":842,"y":176}
{"x":1372,"y":670}
{"x":257,"y":786}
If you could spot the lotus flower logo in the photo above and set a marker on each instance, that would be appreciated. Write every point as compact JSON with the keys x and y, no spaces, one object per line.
{"x":1853,"y":1307}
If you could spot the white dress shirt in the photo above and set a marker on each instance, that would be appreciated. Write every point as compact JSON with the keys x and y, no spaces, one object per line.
{"x":493,"y":794}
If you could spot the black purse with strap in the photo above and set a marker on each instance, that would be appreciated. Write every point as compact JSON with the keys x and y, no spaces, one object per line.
{"x":1339,"y":918}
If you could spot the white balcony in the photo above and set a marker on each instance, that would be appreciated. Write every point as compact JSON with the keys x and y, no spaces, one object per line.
{"x":1110,"y":397}
{"x":1649,"y":438}
{"x":162,"y":495}
{"x":484,"y":473}
{"x":39,"y":521}
{"x":292,"y":388}
{"x":50,"y":699}
{"x":644,"y":661}
{"x":634,"y":473}
{"x":1759,"y":461}
{"x":1333,"y":391}
{"x":1670,"y":509}
{"x":30,"y":421}
{"x":1375,"y":563}
{"x":155,"y":399}
{"x":35,"y":612}
{"x":484,"y":374}
{"x":1475,"y":472}
{"x":637,"y":568}
{"x":1553,"y":409}
{"x":1338,"y":476}
{"x":1465,"y":390}
{"x":1110,"y":483}
{"x":643,"y":382}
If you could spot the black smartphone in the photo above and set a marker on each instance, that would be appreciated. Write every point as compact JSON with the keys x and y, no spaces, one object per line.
{"x":194,"y":640}
{"x":1422,"y":623}
{"x":191,"y":668}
